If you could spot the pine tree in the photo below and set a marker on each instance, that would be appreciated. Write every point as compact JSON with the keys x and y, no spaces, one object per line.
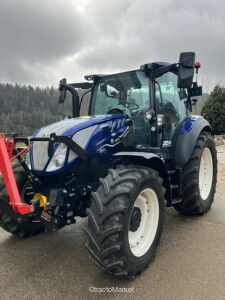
{"x":214,"y":109}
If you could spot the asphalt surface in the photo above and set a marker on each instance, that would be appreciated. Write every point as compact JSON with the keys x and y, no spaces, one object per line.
{"x":189,"y":263}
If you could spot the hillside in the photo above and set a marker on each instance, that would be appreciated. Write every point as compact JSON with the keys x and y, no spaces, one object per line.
{"x":24,"y":109}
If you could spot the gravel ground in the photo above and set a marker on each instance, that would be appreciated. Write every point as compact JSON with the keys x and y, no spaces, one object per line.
{"x":221,"y":165}
{"x":221,"y":154}
{"x":189,"y":263}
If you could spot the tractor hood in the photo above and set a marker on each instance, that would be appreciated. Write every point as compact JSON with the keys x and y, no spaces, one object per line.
{"x":90,"y":133}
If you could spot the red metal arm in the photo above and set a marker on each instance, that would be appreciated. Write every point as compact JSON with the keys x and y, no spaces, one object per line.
{"x":10,"y":181}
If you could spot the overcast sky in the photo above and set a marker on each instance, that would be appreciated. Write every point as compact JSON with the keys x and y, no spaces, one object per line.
{"x":43,"y":41}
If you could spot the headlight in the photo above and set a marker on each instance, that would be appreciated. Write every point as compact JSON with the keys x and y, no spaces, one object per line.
{"x":58,"y":158}
{"x":81,"y":138}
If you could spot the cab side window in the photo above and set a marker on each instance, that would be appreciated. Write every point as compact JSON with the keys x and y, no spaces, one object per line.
{"x":170,"y":101}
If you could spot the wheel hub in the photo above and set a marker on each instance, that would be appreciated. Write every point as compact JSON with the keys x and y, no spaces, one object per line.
{"x":135,"y":219}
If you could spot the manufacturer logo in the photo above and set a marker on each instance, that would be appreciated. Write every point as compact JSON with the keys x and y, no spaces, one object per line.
{"x":166,"y":143}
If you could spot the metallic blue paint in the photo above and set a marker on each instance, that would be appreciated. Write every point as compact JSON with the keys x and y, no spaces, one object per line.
{"x":109,"y":127}
{"x":189,"y":123}
{"x":161,"y":63}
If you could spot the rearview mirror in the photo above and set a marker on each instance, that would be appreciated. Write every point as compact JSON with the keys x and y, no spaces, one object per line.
{"x":111,"y":92}
{"x":186,"y":70}
{"x":62,"y":90}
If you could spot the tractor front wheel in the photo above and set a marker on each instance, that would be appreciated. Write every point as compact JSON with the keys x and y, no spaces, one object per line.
{"x":8,"y":218}
{"x":125,"y":220}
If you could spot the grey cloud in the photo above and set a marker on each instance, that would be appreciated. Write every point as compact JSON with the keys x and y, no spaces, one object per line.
{"x":36,"y":32}
{"x":153,"y":30}
{"x":46,"y":39}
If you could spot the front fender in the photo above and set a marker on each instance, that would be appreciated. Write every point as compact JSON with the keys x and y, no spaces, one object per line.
{"x":187,"y":138}
{"x":150,"y":160}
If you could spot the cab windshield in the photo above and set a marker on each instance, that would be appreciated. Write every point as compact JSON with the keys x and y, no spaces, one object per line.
{"x":121,"y":93}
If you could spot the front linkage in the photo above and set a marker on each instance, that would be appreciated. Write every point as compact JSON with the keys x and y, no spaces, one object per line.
{"x":54,"y":211}
{"x":6,"y":150}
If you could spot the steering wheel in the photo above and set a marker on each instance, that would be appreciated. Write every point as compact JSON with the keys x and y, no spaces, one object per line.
{"x":115,"y":111}
{"x":131,"y":105}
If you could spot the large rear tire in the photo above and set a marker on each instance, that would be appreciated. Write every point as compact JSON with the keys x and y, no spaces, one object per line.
{"x":8,"y":218}
{"x":125,"y":220}
{"x":199,"y":177}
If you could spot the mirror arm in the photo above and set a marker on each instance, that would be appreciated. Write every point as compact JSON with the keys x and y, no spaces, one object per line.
{"x":160,"y":71}
{"x":155,"y":71}
{"x":83,"y":85}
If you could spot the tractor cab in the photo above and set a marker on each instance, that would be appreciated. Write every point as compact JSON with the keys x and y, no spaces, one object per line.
{"x":142,"y":98}
{"x":155,"y":97}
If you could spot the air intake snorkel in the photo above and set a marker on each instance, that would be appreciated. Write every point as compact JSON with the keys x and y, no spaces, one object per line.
{"x":63,"y":87}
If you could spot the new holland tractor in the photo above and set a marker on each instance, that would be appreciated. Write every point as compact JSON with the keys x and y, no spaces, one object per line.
{"x":138,"y":150}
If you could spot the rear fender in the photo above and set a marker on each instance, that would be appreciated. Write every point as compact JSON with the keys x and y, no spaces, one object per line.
{"x":152,"y":161}
{"x":187,"y":138}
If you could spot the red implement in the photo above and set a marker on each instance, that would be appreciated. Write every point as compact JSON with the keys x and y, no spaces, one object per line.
{"x":6,"y":148}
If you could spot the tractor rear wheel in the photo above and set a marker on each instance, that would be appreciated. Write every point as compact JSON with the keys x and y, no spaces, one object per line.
{"x":199,"y":177}
{"x":125,"y":220}
{"x":8,"y":218}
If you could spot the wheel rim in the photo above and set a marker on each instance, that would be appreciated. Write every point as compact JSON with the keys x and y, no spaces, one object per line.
{"x":141,"y":240}
{"x":205,"y":174}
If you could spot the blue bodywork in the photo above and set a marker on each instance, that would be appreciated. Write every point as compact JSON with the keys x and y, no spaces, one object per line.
{"x":161,"y":63}
{"x":108,"y":129}
{"x":189,"y":123}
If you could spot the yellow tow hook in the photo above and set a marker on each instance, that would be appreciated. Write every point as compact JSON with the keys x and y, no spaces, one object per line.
{"x":42,"y":199}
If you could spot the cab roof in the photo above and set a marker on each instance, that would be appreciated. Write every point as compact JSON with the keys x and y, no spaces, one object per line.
{"x":98,"y":76}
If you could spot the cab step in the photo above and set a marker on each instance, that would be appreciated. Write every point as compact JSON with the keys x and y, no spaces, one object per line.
{"x":171,"y":172}
{"x":174,"y":186}
{"x":176,"y":201}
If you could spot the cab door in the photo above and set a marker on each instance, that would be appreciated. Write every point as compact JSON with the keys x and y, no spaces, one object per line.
{"x":170,"y":101}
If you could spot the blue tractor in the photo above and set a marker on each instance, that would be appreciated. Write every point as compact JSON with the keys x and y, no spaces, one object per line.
{"x":137,"y":150}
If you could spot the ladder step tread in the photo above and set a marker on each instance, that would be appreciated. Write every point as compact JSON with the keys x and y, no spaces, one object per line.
{"x":174,"y":186}
{"x":176,"y":201}
{"x":171,"y":172}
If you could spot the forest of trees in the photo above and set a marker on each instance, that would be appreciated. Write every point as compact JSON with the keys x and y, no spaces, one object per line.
{"x":24,"y":109}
